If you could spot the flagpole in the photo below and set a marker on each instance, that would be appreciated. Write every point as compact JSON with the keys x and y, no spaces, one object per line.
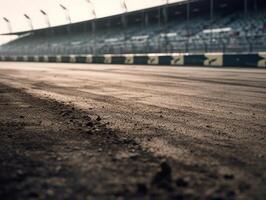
{"x":211,"y":24}
{"x":93,"y":13}
{"x":166,"y":12}
{"x":68,"y":18}
{"x":8,"y":24}
{"x":93,"y":24}
{"x":29,"y":20}
{"x":46,"y":17}
{"x":187,"y":25}
{"x":124,"y":19}
{"x":165,"y":23}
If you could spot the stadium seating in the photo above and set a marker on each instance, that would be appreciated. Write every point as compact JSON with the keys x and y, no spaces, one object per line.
{"x":235,"y":32}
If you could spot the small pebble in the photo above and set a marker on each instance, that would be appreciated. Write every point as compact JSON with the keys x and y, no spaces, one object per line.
{"x":229,"y":176}
{"x":98,"y":118}
{"x":180,"y":182}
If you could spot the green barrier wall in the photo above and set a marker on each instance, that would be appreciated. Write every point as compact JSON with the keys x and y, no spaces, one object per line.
{"x":118,"y":59}
{"x":194,"y":60}
{"x":208,"y":59}
{"x":98,"y":59}
{"x":165,"y":60}
{"x":80,"y":59}
{"x":141,"y":60}
{"x":249,"y":60}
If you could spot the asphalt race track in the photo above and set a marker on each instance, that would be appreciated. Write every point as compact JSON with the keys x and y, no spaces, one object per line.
{"x":80,"y":131}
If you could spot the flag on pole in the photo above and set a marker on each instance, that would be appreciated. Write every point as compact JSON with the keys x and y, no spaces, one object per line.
{"x":124,"y":5}
{"x":7,"y":20}
{"x":27,"y":16}
{"x":63,"y":7}
{"x":29,"y":20}
{"x":46,"y":17}
{"x":42,"y":11}
{"x":93,"y":12}
{"x":8,"y":24}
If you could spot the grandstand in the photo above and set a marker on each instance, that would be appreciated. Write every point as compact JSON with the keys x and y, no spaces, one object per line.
{"x":231,"y":26}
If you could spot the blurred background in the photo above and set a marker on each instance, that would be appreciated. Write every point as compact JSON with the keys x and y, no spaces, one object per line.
{"x":65,"y":27}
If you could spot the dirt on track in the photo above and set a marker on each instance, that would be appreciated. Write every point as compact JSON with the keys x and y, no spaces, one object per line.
{"x":61,"y":149}
{"x":49,"y":150}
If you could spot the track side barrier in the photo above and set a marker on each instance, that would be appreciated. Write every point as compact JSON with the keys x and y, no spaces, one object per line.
{"x":207,"y":59}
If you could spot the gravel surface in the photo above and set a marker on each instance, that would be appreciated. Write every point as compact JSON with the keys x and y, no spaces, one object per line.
{"x":73,"y":131}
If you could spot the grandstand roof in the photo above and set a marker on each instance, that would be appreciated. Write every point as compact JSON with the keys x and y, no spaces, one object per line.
{"x":98,"y":19}
{"x":175,"y":9}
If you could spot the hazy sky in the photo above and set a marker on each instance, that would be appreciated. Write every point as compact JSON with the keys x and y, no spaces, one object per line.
{"x":79,"y":11}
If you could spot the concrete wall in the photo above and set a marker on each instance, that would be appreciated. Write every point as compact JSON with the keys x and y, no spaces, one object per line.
{"x":208,"y":59}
